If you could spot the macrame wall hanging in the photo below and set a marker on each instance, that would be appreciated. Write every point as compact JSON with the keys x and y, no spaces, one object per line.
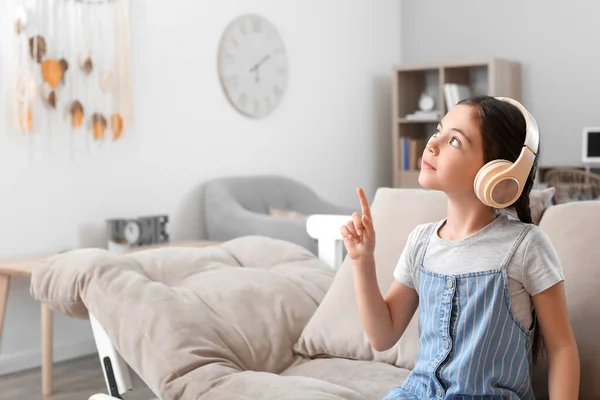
{"x":69,"y":74}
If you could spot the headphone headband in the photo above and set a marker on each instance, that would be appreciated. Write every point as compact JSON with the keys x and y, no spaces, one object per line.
{"x":532,"y":133}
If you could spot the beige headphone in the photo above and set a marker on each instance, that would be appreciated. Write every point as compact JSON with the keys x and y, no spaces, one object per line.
{"x":499,"y":183}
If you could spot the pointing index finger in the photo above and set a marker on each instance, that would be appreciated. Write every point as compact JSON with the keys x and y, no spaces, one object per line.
{"x":364,"y":203}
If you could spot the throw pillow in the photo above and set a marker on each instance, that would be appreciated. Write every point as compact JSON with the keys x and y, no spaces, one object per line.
{"x":539,"y":201}
{"x":276,"y":212}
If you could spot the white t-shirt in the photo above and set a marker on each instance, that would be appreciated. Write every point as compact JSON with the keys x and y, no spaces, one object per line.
{"x":533,"y":268}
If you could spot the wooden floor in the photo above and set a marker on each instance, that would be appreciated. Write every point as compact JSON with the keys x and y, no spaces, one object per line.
{"x":73,"y":380}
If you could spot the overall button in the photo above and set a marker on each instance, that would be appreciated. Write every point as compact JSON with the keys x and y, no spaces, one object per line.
{"x":446,"y":344}
{"x":449,"y":283}
{"x":439,"y":393}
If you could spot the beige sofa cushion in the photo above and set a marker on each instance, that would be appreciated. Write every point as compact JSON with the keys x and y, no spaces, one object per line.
{"x":574,"y":229}
{"x":335,"y":328}
{"x":370,"y":379}
{"x":330,"y":379}
{"x":193,"y":322}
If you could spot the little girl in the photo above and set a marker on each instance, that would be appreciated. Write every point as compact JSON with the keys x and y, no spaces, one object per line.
{"x":488,"y":287}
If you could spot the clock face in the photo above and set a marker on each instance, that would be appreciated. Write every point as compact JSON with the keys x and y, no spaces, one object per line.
{"x":426,"y":102}
{"x":132,"y":232}
{"x":253,"y":66}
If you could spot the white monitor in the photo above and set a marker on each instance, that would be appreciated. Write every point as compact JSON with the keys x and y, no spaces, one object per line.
{"x":591,"y":146}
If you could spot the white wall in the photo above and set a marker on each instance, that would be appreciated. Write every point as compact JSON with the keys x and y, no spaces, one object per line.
{"x":332,"y":132}
{"x":556,"y":42}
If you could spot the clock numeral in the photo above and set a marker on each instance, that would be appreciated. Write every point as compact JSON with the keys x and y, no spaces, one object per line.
{"x":277,"y":91}
{"x":243,"y":28}
{"x":243,"y":99}
{"x":268,"y":103}
{"x":231,"y":82}
{"x":228,"y":58}
{"x":256,"y":25}
{"x":234,"y":42}
{"x":256,"y":106}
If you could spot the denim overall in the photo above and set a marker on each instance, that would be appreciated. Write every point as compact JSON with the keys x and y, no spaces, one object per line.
{"x":471,"y":346}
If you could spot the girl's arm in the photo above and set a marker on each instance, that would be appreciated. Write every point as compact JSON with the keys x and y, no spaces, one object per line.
{"x":563,"y":355}
{"x":384,"y":319}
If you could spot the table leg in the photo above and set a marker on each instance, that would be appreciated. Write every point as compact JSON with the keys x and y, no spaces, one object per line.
{"x":46,"y":351}
{"x":4,"y":285}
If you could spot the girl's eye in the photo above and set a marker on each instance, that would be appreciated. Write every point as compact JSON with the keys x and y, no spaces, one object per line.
{"x":455,"y":142}
{"x":435,"y":134}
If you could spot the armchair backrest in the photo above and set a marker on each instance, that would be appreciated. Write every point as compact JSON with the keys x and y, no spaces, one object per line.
{"x":257,"y":193}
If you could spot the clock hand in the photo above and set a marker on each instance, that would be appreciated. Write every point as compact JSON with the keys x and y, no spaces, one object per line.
{"x":258,"y":64}
{"x":265,"y":59}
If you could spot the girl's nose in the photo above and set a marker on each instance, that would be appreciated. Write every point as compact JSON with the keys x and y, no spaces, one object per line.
{"x":432,"y":147}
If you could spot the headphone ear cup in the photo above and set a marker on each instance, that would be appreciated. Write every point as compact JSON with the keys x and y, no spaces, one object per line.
{"x":484,"y":176}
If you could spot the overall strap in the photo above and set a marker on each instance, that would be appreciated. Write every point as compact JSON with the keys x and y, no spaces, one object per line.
{"x":516,"y":244}
{"x":425,"y":234}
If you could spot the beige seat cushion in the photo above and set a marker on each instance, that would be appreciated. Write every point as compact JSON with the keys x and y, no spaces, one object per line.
{"x":193,"y":322}
{"x":335,"y":328}
{"x":321,"y":379}
{"x":256,"y":385}
{"x":370,"y":379}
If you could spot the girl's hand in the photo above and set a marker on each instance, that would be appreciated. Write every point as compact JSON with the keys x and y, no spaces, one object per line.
{"x":358,"y":234}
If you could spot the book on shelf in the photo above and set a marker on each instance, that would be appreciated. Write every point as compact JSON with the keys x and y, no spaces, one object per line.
{"x":454,"y":92}
{"x":423,"y":115}
{"x":410,"y":151}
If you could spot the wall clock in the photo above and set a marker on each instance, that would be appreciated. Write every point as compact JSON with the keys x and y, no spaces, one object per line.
{"x":253,"y":66}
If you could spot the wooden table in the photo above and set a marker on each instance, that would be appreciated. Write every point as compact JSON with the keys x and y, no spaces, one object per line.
{"x":23,"y":267}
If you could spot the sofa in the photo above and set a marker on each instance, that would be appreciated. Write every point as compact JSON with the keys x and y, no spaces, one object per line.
{"x":267,"y":205}
{"x":262,"y":318}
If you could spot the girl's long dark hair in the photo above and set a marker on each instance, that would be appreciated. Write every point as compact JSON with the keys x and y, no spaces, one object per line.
{"x":503,"y":131}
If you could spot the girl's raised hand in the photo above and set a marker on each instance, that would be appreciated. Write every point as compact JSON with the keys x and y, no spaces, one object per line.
{"x":358,"y":233}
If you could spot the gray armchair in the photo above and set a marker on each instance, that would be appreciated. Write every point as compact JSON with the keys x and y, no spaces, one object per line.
{"x":239,"y":206}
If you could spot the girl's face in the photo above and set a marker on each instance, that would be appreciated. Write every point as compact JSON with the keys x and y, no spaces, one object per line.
{"x":454,"y":154}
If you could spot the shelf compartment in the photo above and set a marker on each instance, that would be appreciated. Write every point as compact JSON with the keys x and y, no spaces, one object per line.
{"x":413,"y":83}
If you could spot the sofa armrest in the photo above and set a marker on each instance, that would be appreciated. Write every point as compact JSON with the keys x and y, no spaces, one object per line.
{"x":115,"y":369}
{"x":326,"y":229}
